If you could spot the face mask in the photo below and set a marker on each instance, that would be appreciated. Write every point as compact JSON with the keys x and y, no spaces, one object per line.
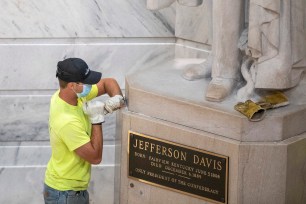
{"x":86,"y":90}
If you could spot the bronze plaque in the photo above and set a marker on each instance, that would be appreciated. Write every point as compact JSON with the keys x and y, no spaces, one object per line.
{"x":178,"y":167}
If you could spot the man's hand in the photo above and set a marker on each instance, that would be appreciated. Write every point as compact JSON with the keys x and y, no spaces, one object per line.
{"x":94,"y":110}
{"x":113,"y":104}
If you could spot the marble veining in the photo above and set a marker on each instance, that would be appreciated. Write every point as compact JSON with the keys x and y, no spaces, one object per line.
{"x":26,"y":155}
{"x":29,"y":121}
{"x":76,"y":18}
{"x":112,"y":59}
{"x":23,"y":165}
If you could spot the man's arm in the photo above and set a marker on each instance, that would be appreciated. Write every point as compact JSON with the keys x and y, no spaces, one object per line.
{"x":109,"y":86}
{"x":92,"y":151}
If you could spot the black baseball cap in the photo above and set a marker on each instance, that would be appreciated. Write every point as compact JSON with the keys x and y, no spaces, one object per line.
{"x":76,"y":70}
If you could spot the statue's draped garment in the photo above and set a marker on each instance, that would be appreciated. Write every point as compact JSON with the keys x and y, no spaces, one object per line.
{"x":277,"y":40}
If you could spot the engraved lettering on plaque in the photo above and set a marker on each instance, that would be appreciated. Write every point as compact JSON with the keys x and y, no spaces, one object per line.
{"x":178,"y":167}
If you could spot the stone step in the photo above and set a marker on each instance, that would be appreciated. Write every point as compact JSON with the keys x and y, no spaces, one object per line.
{"x":23,"y":165}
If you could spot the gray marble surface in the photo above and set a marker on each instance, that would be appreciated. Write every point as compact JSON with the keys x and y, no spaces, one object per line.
{"x":25,"y":118}
{"x":23,"y":165}
{"x":25,"y":154}
{"x":33,"y":63}
{"x":94,"y":18}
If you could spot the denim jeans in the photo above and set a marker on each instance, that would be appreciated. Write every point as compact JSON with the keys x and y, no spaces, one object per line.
{"x":52,"y":196}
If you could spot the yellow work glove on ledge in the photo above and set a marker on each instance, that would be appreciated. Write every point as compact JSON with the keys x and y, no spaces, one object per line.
{"x":251,"y":110}
{"x":274,"y":100}
{"x":256,"y":111}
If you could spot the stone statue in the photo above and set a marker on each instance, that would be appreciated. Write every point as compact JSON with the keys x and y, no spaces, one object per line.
{"x":275,"y":47}
{"x":158,"y":4}
{"x":276,"y":43}
{"x":224,"y":61}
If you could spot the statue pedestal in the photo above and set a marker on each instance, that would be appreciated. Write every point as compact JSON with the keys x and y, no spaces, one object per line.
{"x":266,"y":159}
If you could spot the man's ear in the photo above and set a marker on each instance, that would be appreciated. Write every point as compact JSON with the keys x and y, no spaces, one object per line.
{"x":71,"y":85}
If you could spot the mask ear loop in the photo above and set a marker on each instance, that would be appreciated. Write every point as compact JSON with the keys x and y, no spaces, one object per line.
{"x":86,"y":90}
{"x":82,"y":99}
{"x":74,"y":91}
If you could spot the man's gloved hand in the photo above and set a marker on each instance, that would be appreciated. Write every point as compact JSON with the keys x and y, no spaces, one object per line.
{"x":95,"y":111}
{"x":113,"y":104}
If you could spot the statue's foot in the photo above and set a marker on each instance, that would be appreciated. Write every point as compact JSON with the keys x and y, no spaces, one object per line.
{"x":197,"y":71}
{"x":158,"y":4}
{"x":219,"y":88}
{"x":191,"y":3}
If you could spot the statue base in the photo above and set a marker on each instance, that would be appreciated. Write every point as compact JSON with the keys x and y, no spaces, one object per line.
{"x":263,"y":162}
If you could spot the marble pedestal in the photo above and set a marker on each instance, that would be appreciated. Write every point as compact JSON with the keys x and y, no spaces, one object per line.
{"x":267,"y":159}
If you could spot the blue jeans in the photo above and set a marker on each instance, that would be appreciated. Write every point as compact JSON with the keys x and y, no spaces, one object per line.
{"x":52,"y":196}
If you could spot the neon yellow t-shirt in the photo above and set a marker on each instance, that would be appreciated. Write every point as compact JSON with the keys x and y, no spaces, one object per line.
{"x":69,"y":129}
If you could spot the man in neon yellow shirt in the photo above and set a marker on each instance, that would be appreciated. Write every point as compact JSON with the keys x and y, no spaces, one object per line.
{"x":75,"y":127}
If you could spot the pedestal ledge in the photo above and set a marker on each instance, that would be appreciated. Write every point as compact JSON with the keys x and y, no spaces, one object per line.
{"x":160,"y":92}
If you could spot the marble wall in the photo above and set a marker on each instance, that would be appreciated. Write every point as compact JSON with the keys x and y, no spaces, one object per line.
{"x":76,"y":18}
{"x":32,"y":65}
{"x":23,"y":165}
{"x":115,"y":37}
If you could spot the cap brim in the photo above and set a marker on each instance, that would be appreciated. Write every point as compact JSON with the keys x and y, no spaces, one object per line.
{"x":93,"y":77}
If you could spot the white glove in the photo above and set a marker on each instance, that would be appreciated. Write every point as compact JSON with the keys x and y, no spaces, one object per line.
{"x":113,"y":104}
{"x":94,"y":110}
